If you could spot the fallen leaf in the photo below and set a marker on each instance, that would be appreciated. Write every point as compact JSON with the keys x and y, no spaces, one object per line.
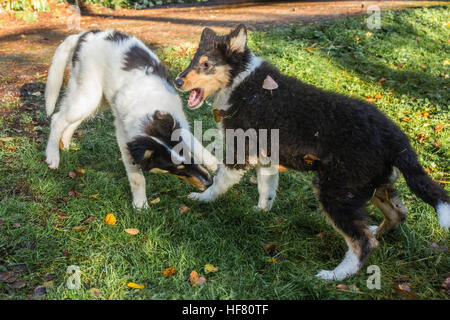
{"x":404,"y":287}
{"x":281,"y":168}
{"x":78,"y":228}
{"x":94,"y":196}
{"x":40,"y":290}
{"x":437,"y":247}
{"x":74,"y":193}
{"x":155,"y":201}
{"x":446,"y":284}
{"x":270,"y":246}
{"x":17,"y":284}
{"x":319,"y":235}
{"x":132,"y":231}
{"x":169,"y":272}
{"x":95,"y":292}
{"x":210,"y":268}
{"x":110,"y":219}
{"x":135,"y":285}
{"x":405,"y":118}
{"x":73,"y":174}
{"x":439,"y":127}
{"x":356,"y":38}
{"x":195,"y":279}
{"x":6,"y":139}
{"x":81,"y":171}
{"x":183,"y":209}
{"x":381,"y":80}
{"x":12,"y":148}
{"x":418,"y":38}
{"x":427,"y":170}
{"x":437,"y":144}
{"x":378,"y":96}
{"x":342,"y":287}
{"x":446,"y":62}
{"x":309,"y":159}
{"x":272,"y":260}
{"x":269,"y":83}
{"x":421,"y":137}
{"x":89,"y":220}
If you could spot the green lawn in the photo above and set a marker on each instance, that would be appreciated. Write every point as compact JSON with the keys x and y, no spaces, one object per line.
{"x":37,"y":214}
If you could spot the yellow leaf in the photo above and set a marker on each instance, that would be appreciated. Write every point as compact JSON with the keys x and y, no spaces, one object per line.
{"x":132,"y":231}
{"x":195,"y":279}
{"x":169,"y":272}
{"x":184,"y":209}
{"x":154,"y":201}
{"x":135,"y":285}
{"x":110,"y":219}
{"x":210,"y":268}
{"x":272,"y":260}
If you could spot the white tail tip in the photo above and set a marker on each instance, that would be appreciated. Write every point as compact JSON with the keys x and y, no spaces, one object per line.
{"x":443,"y":211}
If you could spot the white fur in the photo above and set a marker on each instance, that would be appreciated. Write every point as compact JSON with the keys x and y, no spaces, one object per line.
{"x":443,"y":211}
{"x":223,"y":180}
{"x":267,"y":187}
{"x":132,"y":96}
{"x":349,"y":266}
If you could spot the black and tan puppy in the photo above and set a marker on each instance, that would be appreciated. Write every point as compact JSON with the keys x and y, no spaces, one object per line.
{"x":355,"y":150}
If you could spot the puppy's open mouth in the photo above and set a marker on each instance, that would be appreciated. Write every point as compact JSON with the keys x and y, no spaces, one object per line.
{"x":195,"y":98}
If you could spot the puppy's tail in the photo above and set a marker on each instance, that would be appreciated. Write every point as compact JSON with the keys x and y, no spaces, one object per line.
{"x":56,"y":72}
{"x":423,"y":186}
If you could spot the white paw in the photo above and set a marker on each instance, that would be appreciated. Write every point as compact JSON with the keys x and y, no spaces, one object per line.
{"x":212,"y":165}
{"x":52,"y":161}
{"x":264,"y":205}
{"x":140,"y":205}
{"x":204,"y":196}
{"x":327,"y":275}
{"x":373,"y":229}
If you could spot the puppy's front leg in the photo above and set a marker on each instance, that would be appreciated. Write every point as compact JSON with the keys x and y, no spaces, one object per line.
{"x":223,"y":180}
{"x":267,"y":186}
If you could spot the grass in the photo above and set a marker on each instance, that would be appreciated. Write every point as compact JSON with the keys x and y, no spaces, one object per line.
{"x":37,"y":214}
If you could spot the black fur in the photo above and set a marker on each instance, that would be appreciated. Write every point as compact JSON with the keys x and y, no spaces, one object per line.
{"x":353,"y":145}
{"x":80,"y":41}
{"x":357,"y":145}
{"x":138,"y":57}
{"x":161,"y":126}
{"x":117,"y":36}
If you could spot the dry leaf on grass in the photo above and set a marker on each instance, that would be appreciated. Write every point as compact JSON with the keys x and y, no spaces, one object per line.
{"x":270,"y":247}
{"x":439,"y":127}
{"x":155,"y":201}
{"x":183,"y":209}
{"x":195,"y":279}
{"x":110,"y":219}
{"x":210,"y":268}
{"x":95,"y":292}
{"x":342,"y":287}
{"x":135,"y":285}
{"x":132,"y":231}
{"x":78,"y":228}
{"x":169,"y":272}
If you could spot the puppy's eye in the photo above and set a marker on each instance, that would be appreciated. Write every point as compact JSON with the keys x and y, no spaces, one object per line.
{"x":206,"y":65}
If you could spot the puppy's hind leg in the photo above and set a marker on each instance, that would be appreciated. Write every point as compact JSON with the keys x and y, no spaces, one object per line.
{"x":134,"y":173}
{"x":388,"y":201}
{"x":79,"y":103}
{"x":347,"y":214}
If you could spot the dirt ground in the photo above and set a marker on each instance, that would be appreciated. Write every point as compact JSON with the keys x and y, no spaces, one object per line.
{"x":26,"y":48}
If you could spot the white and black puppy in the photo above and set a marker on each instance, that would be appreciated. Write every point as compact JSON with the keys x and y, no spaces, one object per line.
{"x":112,"y":69}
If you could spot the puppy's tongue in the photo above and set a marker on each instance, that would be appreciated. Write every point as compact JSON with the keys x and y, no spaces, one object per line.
{"x":195,"y":98}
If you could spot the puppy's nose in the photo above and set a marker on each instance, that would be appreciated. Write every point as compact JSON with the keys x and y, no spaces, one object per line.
{"x":179,"y":82}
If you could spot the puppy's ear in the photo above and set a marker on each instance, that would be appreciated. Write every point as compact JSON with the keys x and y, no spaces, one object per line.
{"x":141,"y":150}
{"x":207,"y":33}
{"x":238,"y":39}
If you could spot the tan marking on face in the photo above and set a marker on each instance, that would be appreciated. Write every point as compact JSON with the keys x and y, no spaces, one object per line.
{"x":203,"y":59}
{"x":194,"y":181}
{"x":180,"y":167}
{"x":157,"y":170}
{"x":148,"y":154}
{"x":209,"y":83}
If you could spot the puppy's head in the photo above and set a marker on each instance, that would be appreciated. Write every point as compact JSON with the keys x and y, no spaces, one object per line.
{"x":215,"y":64}
{"x":155,"y":152}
